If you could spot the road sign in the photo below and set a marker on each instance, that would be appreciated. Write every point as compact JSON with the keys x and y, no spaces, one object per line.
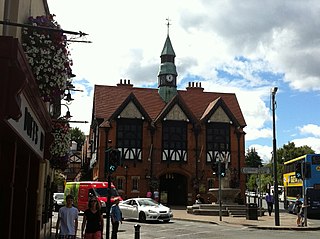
{"x":251,"y":170}
{"x":264,"y":170}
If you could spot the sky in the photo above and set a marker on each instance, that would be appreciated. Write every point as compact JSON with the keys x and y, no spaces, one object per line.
{"x":243,"y":47}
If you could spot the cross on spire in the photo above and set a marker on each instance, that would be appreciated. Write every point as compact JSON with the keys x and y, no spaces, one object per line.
{"x":168,"y":24}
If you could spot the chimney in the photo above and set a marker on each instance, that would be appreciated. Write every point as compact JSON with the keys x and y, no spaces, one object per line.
{"x":194,"y":86}
{"x":124,"y":83}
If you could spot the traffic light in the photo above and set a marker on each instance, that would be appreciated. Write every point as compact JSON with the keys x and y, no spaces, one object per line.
{"x":114,"y":160}
{"x":306,"y":170}
{"x":214,"y":168}
{"x":298,"y":170}
{"x":223,"y":169}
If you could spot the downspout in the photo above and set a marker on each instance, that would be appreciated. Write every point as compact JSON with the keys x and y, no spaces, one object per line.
{"x":106,"y":130}
{"x":196,"y":135}
{"x":152,"y":131}
{"x":239,"y":156}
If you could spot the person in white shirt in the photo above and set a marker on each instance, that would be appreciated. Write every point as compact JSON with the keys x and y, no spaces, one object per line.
{"x":67,"y":220}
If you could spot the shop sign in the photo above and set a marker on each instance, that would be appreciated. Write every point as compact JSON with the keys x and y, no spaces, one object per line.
{"x":29,"y":128}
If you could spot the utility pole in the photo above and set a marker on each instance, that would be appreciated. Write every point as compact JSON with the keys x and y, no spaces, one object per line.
{"x":275,"y":173}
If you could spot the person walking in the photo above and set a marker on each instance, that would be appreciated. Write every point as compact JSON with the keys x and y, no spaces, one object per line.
{"x":269,"y":200}
{"x":67,"y":220}
{"x":116,"y":218}
{"x":149,"y":194}
{"x":156,"y":195}
{"x":297,"y":209}
{"x":92,"y":224}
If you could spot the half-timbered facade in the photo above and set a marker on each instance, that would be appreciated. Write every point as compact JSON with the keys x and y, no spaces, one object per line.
{"x":168,"y":138}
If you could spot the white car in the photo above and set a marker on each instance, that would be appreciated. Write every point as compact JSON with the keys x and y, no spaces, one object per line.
{"x":58,"y":201}
{"x":145,"y":209}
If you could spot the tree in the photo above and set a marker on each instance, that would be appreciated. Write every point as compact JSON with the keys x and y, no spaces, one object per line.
{"x":252,"y":158}
{"x":290,"y":151}
{"x":78,"y":136}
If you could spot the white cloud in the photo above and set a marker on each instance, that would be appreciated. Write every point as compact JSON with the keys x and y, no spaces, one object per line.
{"x":312,"y":142}
{"x":278,"y":37}
{"x":310,"y":129}
{"x":264,"y":151}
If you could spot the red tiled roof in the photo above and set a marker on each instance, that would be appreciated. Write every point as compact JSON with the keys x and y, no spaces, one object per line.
{"x":107,"y":99}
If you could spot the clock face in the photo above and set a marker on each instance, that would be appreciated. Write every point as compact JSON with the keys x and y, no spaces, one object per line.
{"x":169,"y":78}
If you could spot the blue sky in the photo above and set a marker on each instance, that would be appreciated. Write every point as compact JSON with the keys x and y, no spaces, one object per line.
{"x":243,"y":47}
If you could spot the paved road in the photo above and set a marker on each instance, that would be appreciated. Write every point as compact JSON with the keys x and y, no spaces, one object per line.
{"x":204,"y":230}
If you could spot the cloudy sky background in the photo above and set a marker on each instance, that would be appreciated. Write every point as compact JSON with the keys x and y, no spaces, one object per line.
{"x":243,"y":47}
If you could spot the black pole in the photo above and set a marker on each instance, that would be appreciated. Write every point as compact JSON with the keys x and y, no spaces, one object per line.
{"x":220,"y":196}
{"x":275,"y":173}
{"x":137,"y":231}
{"x":108,"y":207}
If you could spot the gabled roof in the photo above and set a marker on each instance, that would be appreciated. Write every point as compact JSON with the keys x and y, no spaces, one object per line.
{"x":179,"y":101}
{"x":213,"y":106}
{"x":107,"y":100}
{"x":131,"y":98}
{"x":198,"y":101}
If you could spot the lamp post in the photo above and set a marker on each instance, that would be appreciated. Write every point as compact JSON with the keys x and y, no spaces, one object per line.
{"x":275,"y":174}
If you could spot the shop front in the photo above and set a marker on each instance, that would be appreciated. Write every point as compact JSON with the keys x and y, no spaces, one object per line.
{"x":25,"y":126}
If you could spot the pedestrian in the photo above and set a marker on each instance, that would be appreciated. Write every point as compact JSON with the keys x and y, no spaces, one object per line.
{"x":149,"y":194}
{"x":67,"y":220}
{"x":116,"y":218}
{"x":156,"y":195}
{"x":92,"y":224}
{"x":297,"y":209}
{"x":269,"y":200}
{"x":199,"y":199}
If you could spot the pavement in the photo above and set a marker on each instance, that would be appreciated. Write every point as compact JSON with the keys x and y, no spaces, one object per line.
{"x":287,"y":221}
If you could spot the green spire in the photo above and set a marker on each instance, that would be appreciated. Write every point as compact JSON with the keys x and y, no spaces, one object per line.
{"x":167,"y":48}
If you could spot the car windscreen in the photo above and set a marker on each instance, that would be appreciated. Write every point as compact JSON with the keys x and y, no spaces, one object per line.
{"x":103,"y":192}
{"x":147,"y":202}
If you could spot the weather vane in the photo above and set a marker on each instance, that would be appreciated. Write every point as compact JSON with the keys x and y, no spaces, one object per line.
{"x":168,"y":24}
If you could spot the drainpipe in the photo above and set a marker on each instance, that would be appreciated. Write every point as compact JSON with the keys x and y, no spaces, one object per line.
{"x":152,"y":131}
{"x":196,"y":135}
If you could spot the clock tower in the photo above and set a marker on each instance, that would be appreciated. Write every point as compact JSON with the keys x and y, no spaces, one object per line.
{"x":167,"y":77}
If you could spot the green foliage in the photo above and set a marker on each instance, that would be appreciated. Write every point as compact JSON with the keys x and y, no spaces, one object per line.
{"x":287,"y":152}
{"x":252,"y":158}
{"x":290,"y":151}
{"x":78,"y":136}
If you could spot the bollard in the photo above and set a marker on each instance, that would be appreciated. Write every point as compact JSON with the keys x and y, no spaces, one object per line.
{"x":137,"y":231}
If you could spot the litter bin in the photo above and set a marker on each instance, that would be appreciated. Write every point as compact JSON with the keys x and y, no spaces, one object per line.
{"x":252,"y":211}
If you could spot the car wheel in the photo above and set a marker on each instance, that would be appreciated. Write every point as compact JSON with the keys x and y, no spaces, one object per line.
{"x":142,"y":217}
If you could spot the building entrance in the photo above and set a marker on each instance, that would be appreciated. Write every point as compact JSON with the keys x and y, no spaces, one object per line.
{"x":173,"y":189}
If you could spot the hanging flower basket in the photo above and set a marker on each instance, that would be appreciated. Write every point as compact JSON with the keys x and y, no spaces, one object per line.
{"x":48,"y":55}
{"x":60,"y":147}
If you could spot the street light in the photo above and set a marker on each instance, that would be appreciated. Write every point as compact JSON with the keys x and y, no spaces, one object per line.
{"x":275,"y":174}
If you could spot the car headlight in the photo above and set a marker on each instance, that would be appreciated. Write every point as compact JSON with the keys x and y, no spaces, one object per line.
{"x":152,"y":211}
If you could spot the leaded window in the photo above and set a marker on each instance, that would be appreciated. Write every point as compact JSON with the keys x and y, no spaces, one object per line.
{"x":129,"y":138}
{"x":218,"y":141}
{"x":174,"y":141}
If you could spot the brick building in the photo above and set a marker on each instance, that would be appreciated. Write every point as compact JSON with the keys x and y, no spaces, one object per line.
{"x":168,"y":138}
